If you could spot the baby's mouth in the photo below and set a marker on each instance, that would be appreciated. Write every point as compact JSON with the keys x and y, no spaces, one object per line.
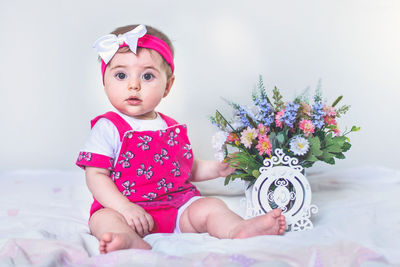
{"x":133,"y":100}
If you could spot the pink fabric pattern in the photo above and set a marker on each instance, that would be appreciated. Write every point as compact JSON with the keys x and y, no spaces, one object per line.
{"x":94,"y":160}
{"x":152,"y":169}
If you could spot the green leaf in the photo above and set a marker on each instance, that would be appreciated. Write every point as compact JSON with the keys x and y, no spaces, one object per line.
{"x":272,"y":138}
{"x":339,"y":140}
{"x":328,"y":139}
{"x":331,"y":127}
{"x":355,"y":128}
{"x":307,"y":164}
{"x":318,"y":92}
{"x":342,"y":110}
{"x":340,"y":156}
{"x":227,"y":179}
{"x":335,"y":148}
{"x":220,"y":120}
{"x":327,"y":157}
{"x":280,"y":137}
{"x":276,"y":95}
{"x":346,"y":146}
{"x":235,"y":175}
{"x":261,"y":88}
{"x":311,"y":158}
{"x":244,"y":162}
{"x":315,"y":146}
{"x":330,"y":161}
{"x":333,"y":144}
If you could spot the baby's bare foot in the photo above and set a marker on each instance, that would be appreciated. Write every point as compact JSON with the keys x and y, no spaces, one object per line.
{"x":272,"y":223}
{"x":117,"y":241}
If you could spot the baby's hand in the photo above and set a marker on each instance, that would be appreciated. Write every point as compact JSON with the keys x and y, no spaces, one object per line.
{"x":137,"y":218}
{"x":224,"y":169}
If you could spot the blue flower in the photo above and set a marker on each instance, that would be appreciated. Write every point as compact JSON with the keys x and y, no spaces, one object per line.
{"x":242,"y":113}
{"x":267,"y":111}
{"x":290,"y":114}
{"x":318,"y":115}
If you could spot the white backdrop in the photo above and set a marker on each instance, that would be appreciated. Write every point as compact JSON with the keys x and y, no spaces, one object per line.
{"x":50,"y":84}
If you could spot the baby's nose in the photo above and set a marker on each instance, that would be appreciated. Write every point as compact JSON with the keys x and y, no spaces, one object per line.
{"x":134,"y":84}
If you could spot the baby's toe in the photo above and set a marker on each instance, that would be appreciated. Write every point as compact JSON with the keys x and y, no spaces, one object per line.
{"x":276,"y":213}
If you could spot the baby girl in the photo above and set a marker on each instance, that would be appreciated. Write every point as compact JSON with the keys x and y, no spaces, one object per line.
{"x":139,"y":162}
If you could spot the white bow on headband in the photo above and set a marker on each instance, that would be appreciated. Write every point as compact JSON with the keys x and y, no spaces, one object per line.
{"x":108,"y":45}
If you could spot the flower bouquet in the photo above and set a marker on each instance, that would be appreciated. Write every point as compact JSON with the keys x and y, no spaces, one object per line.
{"x":306,"y":131}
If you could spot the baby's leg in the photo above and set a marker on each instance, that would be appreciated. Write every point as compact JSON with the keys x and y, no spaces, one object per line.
{"x":213,"y":216}
{"x":113,"y":232}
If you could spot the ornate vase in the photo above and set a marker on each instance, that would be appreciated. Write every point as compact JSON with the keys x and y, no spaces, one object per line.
{"x":282,"y":184}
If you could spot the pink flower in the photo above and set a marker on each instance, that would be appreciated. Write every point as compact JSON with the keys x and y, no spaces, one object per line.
{"x":336,"y":131}
{"x":247,"y":136}
{"x":307,"y":127}
{"x":329,"y":111}
{"x":278,"y":118}
{"x":330,"y":120}
{"x":264,"y":146}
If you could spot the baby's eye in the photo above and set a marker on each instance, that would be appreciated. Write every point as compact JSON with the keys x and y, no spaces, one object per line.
{"x":147,"y":76}
{"x":120,"y":76}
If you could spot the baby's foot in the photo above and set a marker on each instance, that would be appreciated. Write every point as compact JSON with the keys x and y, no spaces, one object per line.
{"x":116,"y":241}
{"x":272,"y":223}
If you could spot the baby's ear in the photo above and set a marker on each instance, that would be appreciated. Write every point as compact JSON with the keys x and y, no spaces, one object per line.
{"x":169,"y":84}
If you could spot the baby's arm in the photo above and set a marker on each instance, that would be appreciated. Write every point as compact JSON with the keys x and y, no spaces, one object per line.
{"x":108,"y":195}
{"x":209,"y":169}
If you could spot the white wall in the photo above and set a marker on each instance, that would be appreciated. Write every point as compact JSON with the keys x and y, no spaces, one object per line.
{"x":50,"y":85}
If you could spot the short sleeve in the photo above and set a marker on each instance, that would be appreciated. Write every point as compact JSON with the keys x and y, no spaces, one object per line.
{"x":101,"y":147}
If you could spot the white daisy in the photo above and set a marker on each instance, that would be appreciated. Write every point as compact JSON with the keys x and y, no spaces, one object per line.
{"x":218,"y":140}
{"x":299,"y":145}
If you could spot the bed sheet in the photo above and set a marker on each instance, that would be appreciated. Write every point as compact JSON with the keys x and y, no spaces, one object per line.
{"x":44,"y":213}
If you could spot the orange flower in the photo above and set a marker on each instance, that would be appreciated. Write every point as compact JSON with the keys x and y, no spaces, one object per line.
{"x":232,"y":138}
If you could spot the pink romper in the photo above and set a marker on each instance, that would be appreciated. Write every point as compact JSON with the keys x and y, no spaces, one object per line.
{"x":152,"y":170}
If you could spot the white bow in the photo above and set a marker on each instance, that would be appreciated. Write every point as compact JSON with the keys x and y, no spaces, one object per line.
{"x":108,"y":45}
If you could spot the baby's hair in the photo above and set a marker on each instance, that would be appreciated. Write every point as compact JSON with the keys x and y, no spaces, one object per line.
{"x":151,"y":31}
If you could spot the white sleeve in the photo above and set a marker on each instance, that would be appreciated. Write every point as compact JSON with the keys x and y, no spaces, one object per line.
{"x":103,"y":139}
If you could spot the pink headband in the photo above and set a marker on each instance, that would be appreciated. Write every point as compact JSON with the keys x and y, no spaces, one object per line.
{"x":109,"y":44}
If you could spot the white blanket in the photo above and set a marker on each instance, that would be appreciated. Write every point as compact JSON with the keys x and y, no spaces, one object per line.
{"x":43,"y":222}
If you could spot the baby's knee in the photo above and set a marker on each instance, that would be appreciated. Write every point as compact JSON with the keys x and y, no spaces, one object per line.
{"x":104,"y":216}
{"x":198,"y":211}
{"x":214,"y":203}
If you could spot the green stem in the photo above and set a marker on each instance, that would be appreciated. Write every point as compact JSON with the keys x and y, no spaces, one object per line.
{"x":233,"y":129}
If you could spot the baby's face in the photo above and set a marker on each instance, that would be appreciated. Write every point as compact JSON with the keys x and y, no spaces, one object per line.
{"x":135,"y":84}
